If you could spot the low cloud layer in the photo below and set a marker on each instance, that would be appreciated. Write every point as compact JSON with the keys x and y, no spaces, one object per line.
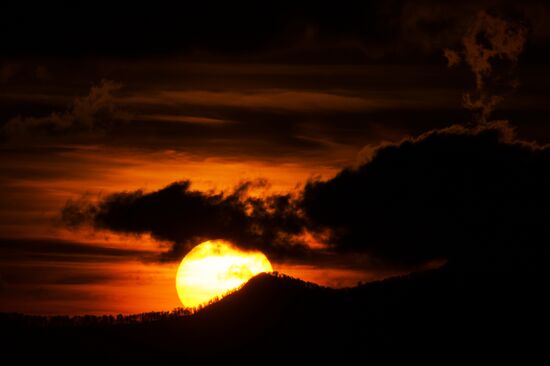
{"x":62,"y":250}
{"x":187,"y":217}
{"x":460,"y":194}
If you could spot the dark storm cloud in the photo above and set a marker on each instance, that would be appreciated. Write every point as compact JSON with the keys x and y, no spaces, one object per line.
{"x":186,"y":217}
{"x":456,"y":193}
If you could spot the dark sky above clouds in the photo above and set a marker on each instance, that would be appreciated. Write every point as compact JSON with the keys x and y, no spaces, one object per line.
{"x":103,"y":107}
{"x":316,"y":76}
{"x":371,"y":30}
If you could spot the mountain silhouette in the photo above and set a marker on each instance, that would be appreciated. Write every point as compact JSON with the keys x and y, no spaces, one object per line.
{"x":446,"y":312}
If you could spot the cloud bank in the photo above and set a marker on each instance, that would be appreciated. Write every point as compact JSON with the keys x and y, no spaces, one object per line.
{"x":457,"y":193}
{"x":460,"y":194}
{"x":187,"y":217}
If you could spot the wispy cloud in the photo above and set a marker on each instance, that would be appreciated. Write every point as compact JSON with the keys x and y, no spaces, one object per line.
{"x":181,"y":118}
{"x":289,"y":100}
{"x":91,"y":113}
{"x":489,"y":40}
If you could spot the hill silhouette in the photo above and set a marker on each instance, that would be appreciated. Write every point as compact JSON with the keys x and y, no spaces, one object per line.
{"x":446,"y":312}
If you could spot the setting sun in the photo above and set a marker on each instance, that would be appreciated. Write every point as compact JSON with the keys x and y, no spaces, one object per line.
{"x":213,"y":268}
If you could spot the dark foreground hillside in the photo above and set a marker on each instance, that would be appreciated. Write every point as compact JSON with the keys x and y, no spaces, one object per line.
{"x":442,"y":315}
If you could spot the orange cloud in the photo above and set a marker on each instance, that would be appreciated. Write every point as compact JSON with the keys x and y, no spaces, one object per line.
{"x":180,"y":118}
{"x":292,"y":100}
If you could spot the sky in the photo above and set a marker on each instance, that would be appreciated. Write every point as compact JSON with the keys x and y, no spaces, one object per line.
{"x":128,"y":135}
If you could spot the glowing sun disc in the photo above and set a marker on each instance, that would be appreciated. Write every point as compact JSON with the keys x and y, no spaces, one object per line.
{"x":213,"y":268}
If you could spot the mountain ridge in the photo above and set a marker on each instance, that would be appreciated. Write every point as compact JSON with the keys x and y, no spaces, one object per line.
{"x":439,"y":312}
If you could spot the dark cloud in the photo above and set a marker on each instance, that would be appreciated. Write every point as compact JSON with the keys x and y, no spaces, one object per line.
{"x":243,"y":110}
{"x":186,"y":217}
{"x":29,"y":273}
{"x":89,"y":114}
{"x":281,"y":111}
{"x":489,"y":42}
{"x":456,"y":193}
{"x":281,"y":89}
{"x":63,"y":250}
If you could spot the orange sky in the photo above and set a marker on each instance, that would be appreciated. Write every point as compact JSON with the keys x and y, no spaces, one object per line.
{"x":77,"y":284}
{"x":37,"y":198}
{"x":151,"y":123}
{"x":213,"y":124}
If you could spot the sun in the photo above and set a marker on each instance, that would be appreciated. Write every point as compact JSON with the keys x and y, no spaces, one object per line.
{"x":213,"y":268}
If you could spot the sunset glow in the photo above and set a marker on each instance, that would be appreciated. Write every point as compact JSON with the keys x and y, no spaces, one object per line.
{"x":274,"y":183}
{"x":215,"y":267}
